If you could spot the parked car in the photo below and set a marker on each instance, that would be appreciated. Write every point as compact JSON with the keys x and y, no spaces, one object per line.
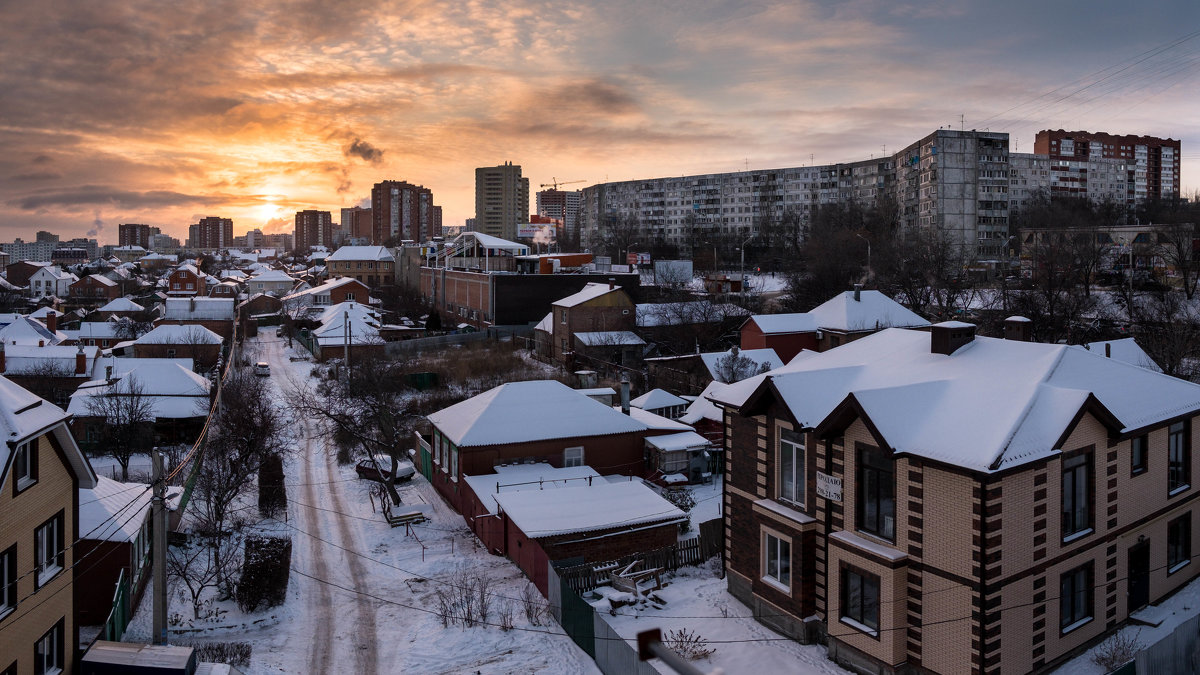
{"x":379,"y":468}
{"x":262,"y":368}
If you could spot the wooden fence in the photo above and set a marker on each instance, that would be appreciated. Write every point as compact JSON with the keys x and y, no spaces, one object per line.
{"x":583,"y":578}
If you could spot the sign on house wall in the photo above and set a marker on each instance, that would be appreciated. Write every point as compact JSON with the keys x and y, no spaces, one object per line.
{"x":829,"y":487}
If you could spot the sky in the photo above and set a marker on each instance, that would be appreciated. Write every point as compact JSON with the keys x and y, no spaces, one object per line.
{"x":156,"y":112}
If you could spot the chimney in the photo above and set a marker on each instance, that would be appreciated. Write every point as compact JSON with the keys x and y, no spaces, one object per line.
{"x":1108,"y":350}
{"x":612,"y":283}
{"x":80,"y":361}
{"x":108,"y":373}
{"x":947,"y":337}
{"x":858,"y":292}
{"x":625,"y":394}
{"x":1,"y":356}
{"x":52,"y":322}
{"x":1018,"y":328}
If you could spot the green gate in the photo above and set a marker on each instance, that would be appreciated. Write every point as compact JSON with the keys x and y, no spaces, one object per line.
{"x":577,"y":619}
{"x":118,"y":618}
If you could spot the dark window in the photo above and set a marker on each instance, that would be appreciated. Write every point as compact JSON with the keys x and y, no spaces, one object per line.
{"x":876,"y":493}
{"x":860,"y":598}
{"x":25,"y":467}
{"x":8,"y":579}
{"x":1139,"y":457}
{"x":48,"y":651}
{"x":1076,"y":494}
{"x":1075,"y":597}
{"x":1179,"y":457}
{"x":1179,"y":542}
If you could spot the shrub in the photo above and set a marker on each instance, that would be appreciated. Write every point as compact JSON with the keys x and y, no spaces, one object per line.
{"x":684,"y":500}
{"x":1117,"y":650}
{"x":265,"y":571}
{"x":688,"y":644}
{"x":236,"y":654}
{"x":272,"y":495}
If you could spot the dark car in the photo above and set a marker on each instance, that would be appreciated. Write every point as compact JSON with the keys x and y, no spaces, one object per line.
{"x":380,"y":466}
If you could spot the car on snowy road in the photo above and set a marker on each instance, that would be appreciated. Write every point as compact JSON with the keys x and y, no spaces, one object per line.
{"x":379,"y":468}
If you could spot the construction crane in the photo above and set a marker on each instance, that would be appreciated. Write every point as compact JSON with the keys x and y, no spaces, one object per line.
{"x":554,"y":183}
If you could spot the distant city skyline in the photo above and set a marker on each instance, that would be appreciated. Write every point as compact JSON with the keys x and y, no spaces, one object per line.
{"x":135,"y":112}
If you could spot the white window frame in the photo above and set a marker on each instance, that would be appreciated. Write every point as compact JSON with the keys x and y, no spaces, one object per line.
{"x":48,"y":651}
{"x":573,"y":456}
{"x":775,"y":542}
{"x":45,"y":550}
{"x":23,"y":461}
{"x":799,"y":453}
{"x":8,"y":581}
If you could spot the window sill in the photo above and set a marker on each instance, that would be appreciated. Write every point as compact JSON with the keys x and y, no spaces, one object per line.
{"x":25,"y":483}
{"x":47,"y":575}
{"x":1178,"y":566}
{"x":1138,"y":472}
{"x":860,"y":626}
{"x":6,"y":612}
{"x":777,"y":585}
{"x":1181,"y":488}
{"x":1078,"y":624}
{"x":1077,"y":535}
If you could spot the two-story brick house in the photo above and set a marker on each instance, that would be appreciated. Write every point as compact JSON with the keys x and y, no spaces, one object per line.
{"x":938,"y":502}
{"x":41,"y":473}
{"x":373,"y":266}
{"x":598,"y":309}
{"x":187,"y":281}
{"x":95,"y":289}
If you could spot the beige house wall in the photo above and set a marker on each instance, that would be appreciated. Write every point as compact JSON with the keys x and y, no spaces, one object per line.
{"x":19,"y":517}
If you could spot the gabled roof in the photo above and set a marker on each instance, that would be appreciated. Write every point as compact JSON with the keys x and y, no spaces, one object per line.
{"x":33,"y":360}
{"x":703,"y":408}
{"x":23,"y":415}
{"x":600,"y":506}
{"x":872,"y":311}
{"x":121,"y":305}
{"x":779,"y":324}
{"x":680,"y":441}
{"x":990,"y":405}
{"x":536,"y":410}
{"x":323,"y":288}
{"x":217,"y":309}
{"x":171,"y":391}
{"x":654,"y":421}
{"x":169,"y":333}
{"x":546,"y":324}
{"x":360,"y":253}
{"x":26,"y":331}
{"x":108,"y":511}
{"x":655,"y":399}
{"x":1125,"y":349}
{"x":272,"y":276}
{"x":591,"y":291}
{"x":100,"y":279}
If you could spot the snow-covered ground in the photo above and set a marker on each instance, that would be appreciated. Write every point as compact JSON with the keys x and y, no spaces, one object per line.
{"x":362,"y":595}
{"x":695,"y":599}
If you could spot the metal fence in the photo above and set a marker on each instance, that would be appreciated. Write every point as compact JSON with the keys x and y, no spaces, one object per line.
{"x":1176,"y":653}
{"x":118,"y":617}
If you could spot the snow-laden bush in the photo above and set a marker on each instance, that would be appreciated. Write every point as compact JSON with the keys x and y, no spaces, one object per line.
{"x":1117,"y":650}
{"x":265,"y":571}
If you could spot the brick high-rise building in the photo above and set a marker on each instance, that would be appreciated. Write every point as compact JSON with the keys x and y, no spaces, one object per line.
{"x":356,"y":222}
{"x":400,"y":211}
{"x":313,"y":228}
{"x":1152,"y":164}
{"x":135,"y":234}
{"x":501,"y":200}
{"x":564,"y":206}
{"x":210,"y":233}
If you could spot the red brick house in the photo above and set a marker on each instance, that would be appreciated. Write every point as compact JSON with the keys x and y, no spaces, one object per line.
{"x":187,"y":280}
{"x":178,"y":341}
{"x":787,"y":334}
{"x":94,"y":289}
{"x":597,"y":308}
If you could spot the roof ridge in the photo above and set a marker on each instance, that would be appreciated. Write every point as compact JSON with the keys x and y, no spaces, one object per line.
{"x":1027,"y":409}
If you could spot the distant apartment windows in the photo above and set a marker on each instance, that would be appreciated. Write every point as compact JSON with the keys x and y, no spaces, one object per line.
{"x":573,"y":456}
{"x":1076,"y":495}
{"x":1075,"y":598}
{"x":1139,"y":454}
{"x":791,"y":466}
{"x":860,"y":600}
{"x":25,"y":465}
{"x":1179,"y":543}
{"x":48,"y":651}
{"x":777,"y":561}
{"x":876,"y":493}
{"x":48,"y":549}
{"x":8,"y":579}
{"x":1179,"y":457}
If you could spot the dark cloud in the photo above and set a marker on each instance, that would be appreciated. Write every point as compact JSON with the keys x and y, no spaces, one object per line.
{"x":42,"y":159}
{"x":37,"y":175}
{"x":101,"y":194}
{"x":364,"y":150}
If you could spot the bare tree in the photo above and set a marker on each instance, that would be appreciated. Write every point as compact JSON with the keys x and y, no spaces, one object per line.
{"x":1175,"y":247}
{"x":51,"y":380}
{"x":735,"y":367}
{"x":200,"y":565}
{"x":1168,"y":329}
{"x":128,"y":415}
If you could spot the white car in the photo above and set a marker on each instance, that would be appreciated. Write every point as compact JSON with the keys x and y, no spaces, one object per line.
{"x":262,"y":368}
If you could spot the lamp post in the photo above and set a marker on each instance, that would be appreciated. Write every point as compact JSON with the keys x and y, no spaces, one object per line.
{"x":868,"y":252}
{"x":742,"y":248}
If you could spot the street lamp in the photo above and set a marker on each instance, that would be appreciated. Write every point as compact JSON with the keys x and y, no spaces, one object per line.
{"x":742,"y":248}
{"x":868,"y":252}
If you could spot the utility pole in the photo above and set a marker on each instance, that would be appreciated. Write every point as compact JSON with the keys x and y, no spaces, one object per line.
{"x":346,"y":343}
{"x":159,"y":530}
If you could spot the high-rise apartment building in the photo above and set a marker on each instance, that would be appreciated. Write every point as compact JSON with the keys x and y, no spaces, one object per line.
{"x":357,"y":222}
{"x":563,"y":205}
{"x":1151,"y":164}
{"x":501,"y":200}
{"x":401,"y":211}
{"x":135,"y":234}
{"x":313,"y":228}
{"x":212,"y":232}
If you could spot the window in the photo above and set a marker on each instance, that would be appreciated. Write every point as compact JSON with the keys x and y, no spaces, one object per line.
{"x":1139,"y":458}
{"x":25,"y":465}
{"x":876,"y":493}
{"x":8,"y":577}
{"x":1179,"y":460}
{"x":349,"y":297}
{"x":1179,"y":542}
{"x":454,"y":461}
{"x":48,"y":549}
{"x":573,"y":457}
{"x":170,"y":353}
{"x":1075,"y":598}
{"x":860,"y":599}
{"x":1076,"y":494}
{"x":777,"y":560}
{"x":48,"y":651}
{"x":791,"y":466}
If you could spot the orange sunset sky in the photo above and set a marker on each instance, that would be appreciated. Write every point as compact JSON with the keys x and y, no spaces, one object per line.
{"x":162,"y":112}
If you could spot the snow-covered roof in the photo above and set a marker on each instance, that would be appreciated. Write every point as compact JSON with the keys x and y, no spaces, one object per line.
{"x":609,"y":337}
{"x":200,"y":308}
{"x":489,"y":241}
{"x":703,"y":408}
{"x":154,"y":257}
{"x":360,"y":253}
{"x":109,"y":511}
{"x":535,"y":410}
{"x":654,"y":421}
{"x":990,"y":405}
{"x":24,"y":415}
{"x":272,"y":276}
{"x":99,"y":330}
{"x":321,"y":289}
{"x":121,"y":305}
{"x":1125,"y":349}
{"x":27,"y":359}
{"x":600,"y":506}
{"x":765,"y":355}
{"x":776,"y":324}
{"x":518,"y":477}
{"x":171,"y":391}
{"x":54,"y":272}
{"x":872,"y":311}
{"x":655,"y":399}
{"x":546,"y":324}
{"x":165,"y":334}
{"x":26,"y":331}
{"x":680,"y":441}
{"x":591,"y":291}
{"x":356,"y":309}
{"x":364,"y":329}
{"x":101,"y":279}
